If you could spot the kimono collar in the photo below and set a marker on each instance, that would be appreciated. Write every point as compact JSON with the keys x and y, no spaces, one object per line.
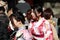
{"x":11,"y":26}
{"x":22,"y":27}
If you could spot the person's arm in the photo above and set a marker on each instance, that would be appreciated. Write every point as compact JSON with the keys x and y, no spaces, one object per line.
{"x":48,"y":32}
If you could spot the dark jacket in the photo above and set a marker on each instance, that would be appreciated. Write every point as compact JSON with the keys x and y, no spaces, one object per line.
{"x":4,"y":21}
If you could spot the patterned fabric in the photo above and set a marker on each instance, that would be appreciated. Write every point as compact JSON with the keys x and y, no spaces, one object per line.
{"x":40,"y":31}
{"x":23,"y":34}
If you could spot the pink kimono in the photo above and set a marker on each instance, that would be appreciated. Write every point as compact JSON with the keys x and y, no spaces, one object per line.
{"x":23,"y":34}
{"x":39,"y":30}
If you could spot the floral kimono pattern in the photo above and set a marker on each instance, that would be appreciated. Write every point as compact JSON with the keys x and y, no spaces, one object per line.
{"x":23,"y":34}
{"x":41,"y":30}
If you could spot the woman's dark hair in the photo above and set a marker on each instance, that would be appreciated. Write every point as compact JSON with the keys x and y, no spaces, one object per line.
{"x":39,"y":10}
{"x":14,"y":9}
{"x":18,"y":16}
{"x":29,"y":16}
{"x":47,"y":13}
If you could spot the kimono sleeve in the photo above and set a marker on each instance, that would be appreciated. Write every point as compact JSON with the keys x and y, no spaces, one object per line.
{"x":27,"y":35}
{"x":48,"y":34}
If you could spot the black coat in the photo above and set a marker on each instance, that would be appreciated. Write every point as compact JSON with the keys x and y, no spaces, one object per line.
{"x":4,"y":21}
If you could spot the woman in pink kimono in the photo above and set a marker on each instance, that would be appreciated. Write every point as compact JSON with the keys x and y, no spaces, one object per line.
{"x":40,"y":29}
{"x":18,"y":21}
{"x":48,"y":14}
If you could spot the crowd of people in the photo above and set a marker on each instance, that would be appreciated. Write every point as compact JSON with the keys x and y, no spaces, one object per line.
{"x":32,"y":24}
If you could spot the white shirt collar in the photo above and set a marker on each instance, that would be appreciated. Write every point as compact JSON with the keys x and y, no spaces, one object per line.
{"x":11,"y":26}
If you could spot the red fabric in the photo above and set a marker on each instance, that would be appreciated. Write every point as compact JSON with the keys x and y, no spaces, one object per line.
{"x":14,"y":38}
{"x":40,"y":30}
{"x":9,"y":29}
{"x":50,"y":36}
{"x":40,"y":27}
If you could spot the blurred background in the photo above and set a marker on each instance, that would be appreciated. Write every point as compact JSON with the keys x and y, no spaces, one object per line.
{"x":53,"y":4}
